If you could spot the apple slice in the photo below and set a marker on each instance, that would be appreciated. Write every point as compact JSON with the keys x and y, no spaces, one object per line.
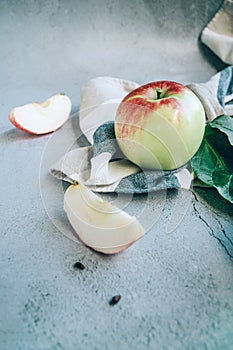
{"x":99,"y":224}
{"x":43,"y":118}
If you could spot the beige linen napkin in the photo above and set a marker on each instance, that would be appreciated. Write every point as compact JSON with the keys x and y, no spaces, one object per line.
{"x":218,"y":34}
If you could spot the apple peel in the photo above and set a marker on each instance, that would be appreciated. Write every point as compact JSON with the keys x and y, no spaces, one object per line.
{"x":99,"y":224}
{"x":42,"y":118}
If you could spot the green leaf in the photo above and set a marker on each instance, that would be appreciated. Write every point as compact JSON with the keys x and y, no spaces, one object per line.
{"x":213,"y":162}
{"x":225,"y":124}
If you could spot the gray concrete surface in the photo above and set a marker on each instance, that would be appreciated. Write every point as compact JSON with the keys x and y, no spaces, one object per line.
{"x":176,"y":288}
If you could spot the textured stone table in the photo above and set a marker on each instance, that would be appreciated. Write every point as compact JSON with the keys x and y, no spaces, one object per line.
{"x":176,"y":288}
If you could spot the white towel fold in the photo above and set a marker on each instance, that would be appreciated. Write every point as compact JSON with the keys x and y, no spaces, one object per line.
{"x":218,"y":34}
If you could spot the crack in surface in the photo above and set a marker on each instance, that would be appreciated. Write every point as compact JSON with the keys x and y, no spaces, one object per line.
{"x":210,"y":229}
{"x":224,"y":232}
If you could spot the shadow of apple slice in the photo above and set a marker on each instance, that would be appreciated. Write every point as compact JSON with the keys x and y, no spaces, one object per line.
{"x":99,"y":224}
{"x":42,"y":118}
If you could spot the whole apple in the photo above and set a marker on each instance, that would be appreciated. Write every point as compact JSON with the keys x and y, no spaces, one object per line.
{"x":160,"y":125}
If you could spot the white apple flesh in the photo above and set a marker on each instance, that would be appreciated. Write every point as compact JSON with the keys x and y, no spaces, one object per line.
{"x":36,"y":118}
{"x":160,"y":125}
{"x":99,"y":224}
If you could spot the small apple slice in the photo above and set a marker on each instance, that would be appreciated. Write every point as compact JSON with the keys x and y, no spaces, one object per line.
{"x":99,"y":224}
{"x":42,"y":118}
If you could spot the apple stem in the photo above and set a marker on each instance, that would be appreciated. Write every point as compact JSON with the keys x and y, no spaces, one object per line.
{"x":158,"y":93}
{"x":75,"y":182}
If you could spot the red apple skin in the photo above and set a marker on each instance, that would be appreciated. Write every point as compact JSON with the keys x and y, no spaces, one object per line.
{"x":18,"y":126}
{"x":41,"y":118}
{"x":160,"y":125}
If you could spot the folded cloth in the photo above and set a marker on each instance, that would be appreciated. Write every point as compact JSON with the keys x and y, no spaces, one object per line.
{"x":216,"y":94}
{"x":101,"y":166}
{"x":218,"y":34}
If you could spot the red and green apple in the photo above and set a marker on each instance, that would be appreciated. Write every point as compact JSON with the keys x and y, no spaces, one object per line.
{"x":160,"y":125}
